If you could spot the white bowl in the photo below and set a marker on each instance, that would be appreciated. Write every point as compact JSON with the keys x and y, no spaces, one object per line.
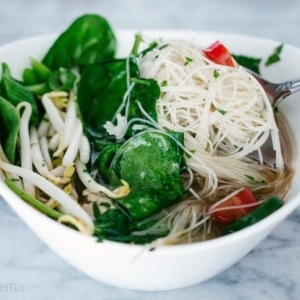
{"x":132,"y":266}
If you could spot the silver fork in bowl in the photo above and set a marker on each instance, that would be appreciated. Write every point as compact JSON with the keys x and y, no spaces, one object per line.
{"x":276,"y":92}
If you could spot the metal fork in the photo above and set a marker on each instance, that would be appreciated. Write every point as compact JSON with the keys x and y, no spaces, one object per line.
{"x":276,"y":93}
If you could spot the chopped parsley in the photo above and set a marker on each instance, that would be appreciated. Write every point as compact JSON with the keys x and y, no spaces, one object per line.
{"x":251,"y":178}
{"x":216,"y":74}
{"x":163,"y":46}
{"x":221,"y":111}
{"x":14,"y":179}
{"x":164,"y":83}
{"x":187,"y":60}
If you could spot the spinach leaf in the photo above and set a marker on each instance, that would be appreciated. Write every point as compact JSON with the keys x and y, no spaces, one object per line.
{"x":145,"y":92}
{"x":251,"y":63}
{"x":10,"y":125}
{"x":15,"y":93}
{"x":151,"y":163}
{"x":88,"y":40}
{"x":61,"y":80}
{"x":105,"y":158}
{"x":100,"y":93}
{"x":115,"y":226}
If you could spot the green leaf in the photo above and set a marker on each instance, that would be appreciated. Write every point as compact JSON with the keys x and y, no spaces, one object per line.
{"x":16,"y":93}
{"x":61,"y":80}
{"x":221,"y":111}
{"x":216,"y":74}
{"x":29,"y":77}
{"x":42,"y":72}
{"x":251,"y":63}
{"x":114,"y":225}
{"x":187,"y":61}
{"x":275,"y":56}
{"x":105,"y":158}
{"x":88,"y":40}
{"x":10,"y":125}
{"x":145,"y":92}
{"x":150,"y":162}
{"x":100,"y":93}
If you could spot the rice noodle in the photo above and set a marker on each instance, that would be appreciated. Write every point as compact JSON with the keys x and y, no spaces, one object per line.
{"x":225,"y":115}
{"x":223,"y":111}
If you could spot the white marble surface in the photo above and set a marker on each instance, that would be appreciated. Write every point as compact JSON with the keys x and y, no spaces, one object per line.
{"x":29,"y":270}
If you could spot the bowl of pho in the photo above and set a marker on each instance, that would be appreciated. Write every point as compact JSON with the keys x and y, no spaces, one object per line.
{"x":130,"y":152}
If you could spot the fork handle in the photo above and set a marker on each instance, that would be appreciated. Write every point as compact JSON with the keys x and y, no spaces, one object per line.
{"x":291,"y":86}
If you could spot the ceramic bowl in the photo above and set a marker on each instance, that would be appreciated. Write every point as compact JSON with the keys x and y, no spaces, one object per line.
{"x":170,"y":267}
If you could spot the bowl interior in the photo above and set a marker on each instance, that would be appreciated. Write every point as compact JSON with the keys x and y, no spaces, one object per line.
{"x":17,"y":54}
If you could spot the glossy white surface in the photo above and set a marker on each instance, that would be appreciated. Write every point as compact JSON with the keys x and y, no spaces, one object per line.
{"x":30,"y":270}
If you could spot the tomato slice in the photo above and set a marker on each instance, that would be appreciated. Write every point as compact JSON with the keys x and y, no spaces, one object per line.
{"x":219,"y":54}
{"x":236,"y":207}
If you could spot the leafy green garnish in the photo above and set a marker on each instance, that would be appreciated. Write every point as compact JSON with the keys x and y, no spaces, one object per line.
{"x":114,"y":225}
{"x":150,"y":162}
{"x":275,"y":56}
{"x":10,"y":124}
{"x":221,"y":111}
{"x":100,"y":93}
{"x":109,"y":81}
{"x":187,"y":61}
{"x":251,"y":63}
{"x":88,"y":40}
{"x":216,"y":74}
{"x":251,"y":178}
{"x":13,"y":91}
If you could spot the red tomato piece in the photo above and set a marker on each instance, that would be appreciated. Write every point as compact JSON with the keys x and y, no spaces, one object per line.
{"x":219,"y":54}
{"x":228,"y":216}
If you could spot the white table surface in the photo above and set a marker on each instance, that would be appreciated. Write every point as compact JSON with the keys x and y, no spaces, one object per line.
{"x":30,"y":270}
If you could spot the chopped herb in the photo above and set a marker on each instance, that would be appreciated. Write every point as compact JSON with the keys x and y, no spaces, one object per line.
{"x":216,"y":74}
{"x":221,"y":111}
{"x":163,"y":46}
{"x":250,"y":177}
{"x":262,"y":182}
{"x":275,"y":109}
{"x":164,"y":83}
{"x":187,"y":60}
{"x":156,"y":56}
{"x":188,"y":155}
{"x":275,"y":56}
{"x":85,"y":171}
{"x":45,"y":119}
{"x":14,"y":179}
